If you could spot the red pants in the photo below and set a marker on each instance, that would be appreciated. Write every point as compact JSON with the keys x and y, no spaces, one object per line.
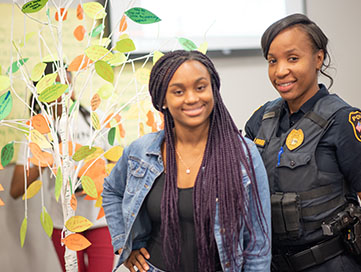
{"x":100,"y":253}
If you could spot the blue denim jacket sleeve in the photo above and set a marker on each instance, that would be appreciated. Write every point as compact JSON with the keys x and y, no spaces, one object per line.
{"x":259,"y":257}
{"x":113,"y":192}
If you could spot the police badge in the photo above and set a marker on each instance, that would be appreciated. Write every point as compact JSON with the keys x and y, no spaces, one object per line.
{"x":355,"y":120}
{"x":294,"y":139}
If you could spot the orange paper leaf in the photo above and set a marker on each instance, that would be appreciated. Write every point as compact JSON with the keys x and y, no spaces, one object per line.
{"x":123,"y":25}
{"x":95,"y":102}
{"x":76,"y":242}
{"x":61,"y":14}
{"x":43,"y":157}
{"x":101,"y":213}
{"x":79,"y":32}
{"x":73,"y":202}
{"x":2,"y":202}
{"x":115,"y":117}
{"x":75,"y":64}
{"x":1,"y":188}
{"x":79,"y":12}
{"x":151,"y":122}
{"x":40,"y":123}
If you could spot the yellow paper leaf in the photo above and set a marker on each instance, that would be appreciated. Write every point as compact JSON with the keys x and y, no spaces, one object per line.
{"x":94,"y":10}
{"x":89,"y":186}
{"x":33,"y":189}
{"x":45,"y":82}
{"x":104,"y":70}
{"x":4,"y":82}
{"x":142,"y":75}
{"x":50,"y":58}
{"x":95,"y":120}
{"x":46,"y":222}
{"x":37,"y":71}
{"x":58,"y":183}
{"x":23,"y":228}
{"x":103,"y":42}
{"x":141,"y":129}
{"x":114,"y":153}
{"x":97,"y":52}
{"x":156,"y":56}
{"x":97,"y":153}
{"x":78,"y":224}
{"x":83,"y":152}
{"x":39,"y":139}
{"x":118,"y":59}
{"x":1,"y":188}
{"x":76,"y":242}
{"x":99,"y":202}
{"x":203,"y":47}
{"x":105,"y":91}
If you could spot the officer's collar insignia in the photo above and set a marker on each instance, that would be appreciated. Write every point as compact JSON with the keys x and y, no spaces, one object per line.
{"x":355,"y":120}
{"x":295,"y":139}
{"x":259,"y":142}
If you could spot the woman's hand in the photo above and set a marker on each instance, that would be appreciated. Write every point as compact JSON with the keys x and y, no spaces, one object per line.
{"x":137,"y":258}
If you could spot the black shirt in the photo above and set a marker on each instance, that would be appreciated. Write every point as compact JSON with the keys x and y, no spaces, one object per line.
{"x":340,"y":146}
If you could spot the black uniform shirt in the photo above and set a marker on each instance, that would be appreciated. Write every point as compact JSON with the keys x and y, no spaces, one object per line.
{"x":339,"y":148}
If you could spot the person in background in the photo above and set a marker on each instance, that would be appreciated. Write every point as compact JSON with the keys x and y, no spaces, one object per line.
{"x":99,"y":256}
{"x":194,"y":196}
{"x":310,"y":142}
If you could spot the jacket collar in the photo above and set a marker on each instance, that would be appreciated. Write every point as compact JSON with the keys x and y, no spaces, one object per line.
{"x":154,"y":147}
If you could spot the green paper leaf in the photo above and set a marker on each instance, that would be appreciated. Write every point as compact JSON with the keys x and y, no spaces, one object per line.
{"x":111,"y":136}
{"x":187,"y":45}
{"x":23,"y":228}
{"x":6,"y":104}
{"x":58,"y":183}
{"x":17,"y":64}
{"x":33,"y":6}
{"x":104,"y":70}
{"x":83,"y":152}
{"x":118,"y":59}
{"x":72,"y":107}
{"x":96,"y":31}
{"x":142,"y":16}
{"x":125,"y":45}
{"x":46,"y":222}
{"x":96,"y":52}
{"x":89,"y":186}
{"x":52,"y":93}
{"x":7,"y":153}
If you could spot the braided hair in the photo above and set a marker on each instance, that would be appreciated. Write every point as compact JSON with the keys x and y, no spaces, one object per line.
{"x":219,"y":180}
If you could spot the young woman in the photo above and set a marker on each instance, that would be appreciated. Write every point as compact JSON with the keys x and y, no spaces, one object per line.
{"x":310,"y":142}
{"x":193,"y":197}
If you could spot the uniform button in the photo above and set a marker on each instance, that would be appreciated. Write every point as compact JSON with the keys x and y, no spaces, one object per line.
{"x":228,"y":265}
{"x":292,"y":163}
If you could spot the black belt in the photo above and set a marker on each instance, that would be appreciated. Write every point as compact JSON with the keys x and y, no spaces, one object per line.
{"x":315,"y":255}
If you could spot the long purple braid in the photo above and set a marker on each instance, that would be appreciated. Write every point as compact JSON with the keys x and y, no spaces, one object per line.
{"x":219,"y":179}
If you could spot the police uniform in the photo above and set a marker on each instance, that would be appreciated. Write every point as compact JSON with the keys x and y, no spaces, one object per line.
{"x":313,"y":160}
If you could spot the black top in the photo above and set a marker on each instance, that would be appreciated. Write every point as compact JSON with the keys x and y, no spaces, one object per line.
{"x":339,"y":147}
{"x":188,"y":259}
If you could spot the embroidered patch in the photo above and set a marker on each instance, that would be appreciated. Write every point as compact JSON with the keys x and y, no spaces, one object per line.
{"x":355,"y":120}
{"x":259,"y":142}
{"x":295,"y":139}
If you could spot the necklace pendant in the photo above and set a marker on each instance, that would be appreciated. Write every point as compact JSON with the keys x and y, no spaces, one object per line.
{"x":188,"y":171}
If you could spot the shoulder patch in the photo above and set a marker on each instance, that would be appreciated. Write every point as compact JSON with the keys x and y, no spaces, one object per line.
{"x":355,"y":120}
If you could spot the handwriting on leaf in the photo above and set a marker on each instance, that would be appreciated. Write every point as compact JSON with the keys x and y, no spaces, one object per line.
{"x":95,"y":120}
{"x":89,"y":186}
{"x":7,"y":153}
{"x":95,"y":102}
{"x":39,"y":139}
{"x":94,"y":10}
{"x":33,"y":189}
{"x":39,"y":123}
{"x":114,"y":153}
{"x":96,"y":31}
{"x":44,"y":157}
{"x":142,"y":16}
{"x":79,"y":63}
{"x":17,"y":64}
{"x":23,"y":228}
{"x":58,"y":183}
{"x":125,"y":45}
{"x":45,"y":82}
{"x":78,"y":223}
{"x":33,"y":6}
{"x":76,"y":242}
{"x":83,"y":152}
{"x":52,"y":93}
{"x":46,"y":222}
{"x":73,"y":202}
{"x":6,"y":104}
{"x":104,"y":70}
{"x":97,"y":52}
{"x":187,"y":45}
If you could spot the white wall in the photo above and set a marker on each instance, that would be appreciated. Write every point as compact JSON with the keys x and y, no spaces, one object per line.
{"x":245,"y":84}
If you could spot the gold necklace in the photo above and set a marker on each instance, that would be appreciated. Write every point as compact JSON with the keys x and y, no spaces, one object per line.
{"x":188,"y":169}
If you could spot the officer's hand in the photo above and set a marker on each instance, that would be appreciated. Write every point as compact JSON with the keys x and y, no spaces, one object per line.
{"x":137,"y":258}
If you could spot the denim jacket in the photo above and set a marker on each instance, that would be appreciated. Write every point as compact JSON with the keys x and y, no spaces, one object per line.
{"x":132,"y":178}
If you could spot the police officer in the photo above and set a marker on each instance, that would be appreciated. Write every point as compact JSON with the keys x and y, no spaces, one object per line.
{"x":310,"y":142}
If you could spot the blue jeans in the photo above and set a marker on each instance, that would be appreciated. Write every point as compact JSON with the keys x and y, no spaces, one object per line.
{"x":152,"y":268}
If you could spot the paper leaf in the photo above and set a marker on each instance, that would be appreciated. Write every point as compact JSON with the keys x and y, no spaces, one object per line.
{"x":23,"y":228}
{"x":52,"y":93}
{"x":187,"y":45}
{"x":123,"y":25}
{"x":62,"y":15}
{"x":2,"y":202}
{"x":118,"y":59}
{"x":105,"y":91}
{"x":125,"y":45}
{"x":33,"y":189}
{"x":79,"y":12}
{"x":115,"y":119}
{"x":76,"y":242}
{"x":99,"y":202}
{"x":120,"y":131}
{"x":17,"y":64}
{"x":45,"y":158}
{"x":33,"y":6}
{"x":89,"y":186}
{"x":96,"y":31}
{"x":203,"y":47}
{"x":6,"y":104}
{"x":50,"y":58}
{"x":1,"y":188}
{"x":73,"y":202}
{"x":102,"y":42}
{"x":114,"y":153}
{"x":46,"y":82}
{"x":4,"y":82}
{"x":156,"y":56}
{"x":46,"y":222}
{"x":78,"y":224}
{"x":96,"y":52}
{"x":95,"y":120}
{"x":141,"y":129}
{"x":39,"y":123}
{"x":37,"y":71}
{"x":39,"y":139}
{"x":142,"y":16}
{"x":79,"y":32}
{"x":109,"y":167}
{"x":83,"y":152}
{"x":7,"y":153}
{"x":104,"y":70}
{"x":95,"y":102}
{"x":58,"y":183}
{"x":94,"y":10}
{"x":111,"y":136}
{"x":101,"y":213}
{"x":77,"y":61}
{"x":142,"y":75}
